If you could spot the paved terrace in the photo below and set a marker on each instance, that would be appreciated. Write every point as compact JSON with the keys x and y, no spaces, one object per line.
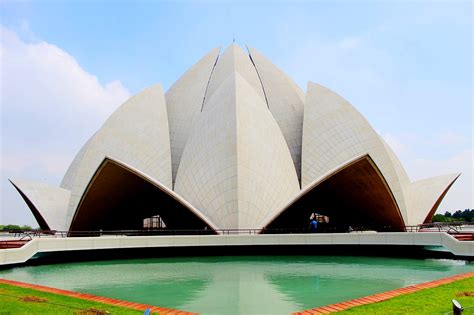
{"x":47,"y":244}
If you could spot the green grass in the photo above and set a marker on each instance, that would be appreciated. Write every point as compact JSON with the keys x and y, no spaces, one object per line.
{"x":12,"y":302}
{"x":428,"y":301}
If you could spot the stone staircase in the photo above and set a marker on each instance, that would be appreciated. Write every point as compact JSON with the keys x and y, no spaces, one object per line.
{"x":12,"y":244}
{"x":463,"y":236}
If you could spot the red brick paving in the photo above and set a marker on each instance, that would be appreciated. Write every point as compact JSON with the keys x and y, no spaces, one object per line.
{"x":383,"y":296}
{"x":95,"y":298}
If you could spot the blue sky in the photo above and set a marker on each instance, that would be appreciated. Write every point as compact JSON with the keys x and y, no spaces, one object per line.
{"x":65,"y":65}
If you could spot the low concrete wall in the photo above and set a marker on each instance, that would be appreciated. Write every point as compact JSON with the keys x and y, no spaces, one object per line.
{"x":44,"y":245}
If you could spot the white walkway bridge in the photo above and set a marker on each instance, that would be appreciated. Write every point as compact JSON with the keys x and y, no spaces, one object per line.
{"x":441,"y":240}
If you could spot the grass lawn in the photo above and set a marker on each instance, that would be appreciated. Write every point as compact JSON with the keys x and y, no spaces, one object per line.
{"x":16,"y":300}
{"x":428,"y":301}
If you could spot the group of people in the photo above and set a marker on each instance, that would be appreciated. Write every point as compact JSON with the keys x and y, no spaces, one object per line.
{"x":313,"y":226}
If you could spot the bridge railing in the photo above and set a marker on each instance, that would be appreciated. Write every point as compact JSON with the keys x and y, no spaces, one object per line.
{"x":165,"y":231}
{"x":449,"y":227}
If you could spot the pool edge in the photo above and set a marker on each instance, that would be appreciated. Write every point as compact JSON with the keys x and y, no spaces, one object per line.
{"x":95,"y":298}
{"x":379,"y":297}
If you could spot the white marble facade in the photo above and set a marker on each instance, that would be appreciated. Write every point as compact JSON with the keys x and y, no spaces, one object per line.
{"x":236,"y":140}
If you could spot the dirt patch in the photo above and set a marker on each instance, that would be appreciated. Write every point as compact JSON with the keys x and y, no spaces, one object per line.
{"x":92,"y":311}
{"x":33,"y":299}
{"x":465,"y":294}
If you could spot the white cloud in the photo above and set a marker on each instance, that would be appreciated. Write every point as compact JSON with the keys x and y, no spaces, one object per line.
{"x":42,"y":77}
{"x":452,"y":138}
{"x":350,"y":42}
{"x":410,"y":150}
{"x":421,"y":168}
{"x":352,"y":66}
{"x":460,"y":196}
{"x":49,"y":107}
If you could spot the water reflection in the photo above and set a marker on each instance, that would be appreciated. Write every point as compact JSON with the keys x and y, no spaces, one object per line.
{"x":239,"y":285}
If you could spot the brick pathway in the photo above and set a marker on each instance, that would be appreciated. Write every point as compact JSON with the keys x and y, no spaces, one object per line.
{"x":332,"y":308}
{"x":95,"y":298}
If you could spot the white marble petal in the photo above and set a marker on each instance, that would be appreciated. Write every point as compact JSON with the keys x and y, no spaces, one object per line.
{"x":184,"y":101}
{"x":335,"y":132}
{"x":236,"y":168}
{"x":234,"y":59}
{"x":137,"y":133}
{"x":425,"y":195}
{"x":49,"y":202}
{"x":285,"y":101}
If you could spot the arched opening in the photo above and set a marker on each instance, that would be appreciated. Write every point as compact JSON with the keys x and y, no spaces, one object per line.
{"x":354,"y":197}
{"x":119,"y":198}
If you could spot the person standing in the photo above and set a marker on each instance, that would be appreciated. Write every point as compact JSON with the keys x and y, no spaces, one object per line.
{"x":313,"y":225}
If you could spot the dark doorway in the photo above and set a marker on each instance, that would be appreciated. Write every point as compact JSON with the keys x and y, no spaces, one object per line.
{"x":117,"y":198}
{"x":356,"y":196}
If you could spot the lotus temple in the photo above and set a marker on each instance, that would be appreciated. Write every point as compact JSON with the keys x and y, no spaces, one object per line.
{"x":234,"y":144}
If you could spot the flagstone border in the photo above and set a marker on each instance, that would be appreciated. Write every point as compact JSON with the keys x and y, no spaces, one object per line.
{"x":95,"y":298}
{"x":332,"y":308}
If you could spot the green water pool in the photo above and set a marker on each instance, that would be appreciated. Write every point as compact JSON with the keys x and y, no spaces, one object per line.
{"x":240,"y":284}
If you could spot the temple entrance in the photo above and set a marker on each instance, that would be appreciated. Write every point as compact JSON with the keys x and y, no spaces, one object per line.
{"x":154,"y":223}
{"x":119,"y":199}
{"x":354,"y":197}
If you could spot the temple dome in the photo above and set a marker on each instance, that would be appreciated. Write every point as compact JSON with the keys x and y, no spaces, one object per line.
{"x":234,"y":144}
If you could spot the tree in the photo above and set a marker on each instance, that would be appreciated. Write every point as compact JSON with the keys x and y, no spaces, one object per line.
{"x":468,"y":215}
{"x":15,"y":227}
{"x":458,"y":215}
{"x":438,"y":218}
{"x":11,"y":227}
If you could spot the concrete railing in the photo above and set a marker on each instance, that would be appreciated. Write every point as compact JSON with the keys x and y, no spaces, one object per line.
{"x":45,"y":245}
